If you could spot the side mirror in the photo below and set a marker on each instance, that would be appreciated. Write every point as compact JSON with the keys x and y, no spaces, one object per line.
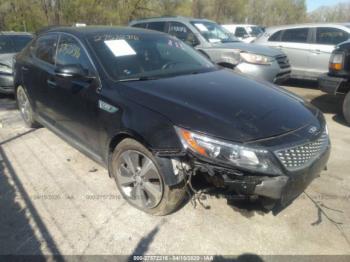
{"x":245,"y":36}
{"x":72,"y":71}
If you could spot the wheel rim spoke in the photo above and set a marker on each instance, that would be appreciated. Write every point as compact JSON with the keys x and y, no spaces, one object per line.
{"x":139,"y":196}
{"x":153,"y":191}
{"x":130,"y":164}
{"x":126,"y":178}
{"x":146,"y":167}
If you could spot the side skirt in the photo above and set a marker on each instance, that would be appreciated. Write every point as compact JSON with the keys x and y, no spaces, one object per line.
{"x":83,"y":149}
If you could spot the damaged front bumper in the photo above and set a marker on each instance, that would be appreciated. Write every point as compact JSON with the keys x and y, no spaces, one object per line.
{"x":283,"y":188}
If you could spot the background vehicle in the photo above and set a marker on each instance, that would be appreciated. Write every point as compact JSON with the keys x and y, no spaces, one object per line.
{"x":10,"y":44}
{"x":308,"y":46}
{"x":222,"y":48}
{"x":156,"y":112}
{"x":244,"y":32}
{"x":337,"y":80}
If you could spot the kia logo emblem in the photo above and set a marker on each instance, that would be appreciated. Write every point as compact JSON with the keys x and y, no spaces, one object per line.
{"x":313,"y":130}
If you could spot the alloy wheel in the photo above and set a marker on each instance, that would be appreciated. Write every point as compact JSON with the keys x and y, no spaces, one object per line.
{"x":139,"y":179}
{"x":23,"y":104}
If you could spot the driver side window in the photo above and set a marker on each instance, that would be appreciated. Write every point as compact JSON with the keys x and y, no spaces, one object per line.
{"x":70,"y":52}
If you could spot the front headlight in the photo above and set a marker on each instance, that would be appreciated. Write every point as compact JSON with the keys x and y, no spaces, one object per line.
{"x":256,"y":59}
{"x":5,"y":69}
{"x":336,"y":61}
{"x":252,"y":159}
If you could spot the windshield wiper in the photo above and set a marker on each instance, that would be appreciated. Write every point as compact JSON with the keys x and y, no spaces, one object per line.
{"x":141,"y":78}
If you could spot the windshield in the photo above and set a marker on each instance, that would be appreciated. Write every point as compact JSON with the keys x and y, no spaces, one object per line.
{"x":213,"y":32}
{"x":254,"y":31}
{"x":147,"y":56}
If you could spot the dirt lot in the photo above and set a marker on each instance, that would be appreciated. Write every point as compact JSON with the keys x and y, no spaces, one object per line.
{"x":53,"y":199}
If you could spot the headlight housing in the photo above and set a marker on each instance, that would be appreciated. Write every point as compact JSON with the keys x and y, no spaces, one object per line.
{"x":256,"y":59}
{"x":336,"y":62}
{"x":239,"y":156}
{"x":5,"y":69}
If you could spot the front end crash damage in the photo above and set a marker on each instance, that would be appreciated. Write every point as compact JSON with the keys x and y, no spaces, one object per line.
{"x":275,"y":191}
{"x":225,"y":180}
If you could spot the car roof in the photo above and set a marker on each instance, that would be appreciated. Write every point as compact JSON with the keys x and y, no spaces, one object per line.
{"x":14,"y":33}
{"x":85,"y":31}
{"x":169,"y":18}
{"x":240,"y":25}
{"x":275,"y":28}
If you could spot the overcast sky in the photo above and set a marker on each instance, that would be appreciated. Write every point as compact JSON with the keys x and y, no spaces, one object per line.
{"x":314,"y":4}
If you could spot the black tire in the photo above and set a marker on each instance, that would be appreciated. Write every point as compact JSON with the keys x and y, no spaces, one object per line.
{"x":25,"y":108}
{"x":171,"y":197}
{"x":346,"y":108}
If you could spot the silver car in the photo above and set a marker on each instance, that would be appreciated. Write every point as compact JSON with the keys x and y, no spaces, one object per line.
{"x":308,"y":46}
{"x":222,"y":47}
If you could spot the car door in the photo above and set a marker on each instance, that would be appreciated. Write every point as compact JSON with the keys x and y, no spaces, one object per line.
{"x":75,"y":100}
{"x":324,"y":41}
{"x":37,"y":70}
{"x":295,"y":43}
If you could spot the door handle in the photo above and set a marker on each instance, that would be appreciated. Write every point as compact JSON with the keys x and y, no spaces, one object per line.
{"x":51,"y":83}
{"x":24,"y":68}
{"x":316,"y":51}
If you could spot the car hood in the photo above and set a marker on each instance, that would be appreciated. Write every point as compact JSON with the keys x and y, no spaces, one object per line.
{"x":252,"y":48}
{"x":7,"y":59}
{"x":222,"y":104}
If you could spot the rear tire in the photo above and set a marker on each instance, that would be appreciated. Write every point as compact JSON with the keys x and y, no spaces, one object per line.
{"x":138,"y":178}
{"x":25,"y":108}
{"x":346,"y":108}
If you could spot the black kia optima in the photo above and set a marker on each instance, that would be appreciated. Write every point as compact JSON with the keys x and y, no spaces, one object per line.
{"x":156,"y":113}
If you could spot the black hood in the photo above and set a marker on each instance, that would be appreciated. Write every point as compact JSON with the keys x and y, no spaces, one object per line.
{"x":222,"y":104}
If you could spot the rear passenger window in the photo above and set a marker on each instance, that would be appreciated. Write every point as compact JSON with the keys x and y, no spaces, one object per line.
{"x":297,"y":35}
{"x":157,"y":26}
{"x":141,"y":25}
{"x":240,"y":32}
{"x":330,"y":36}
{"x":276,"y":37}
{"x":45,"y":48}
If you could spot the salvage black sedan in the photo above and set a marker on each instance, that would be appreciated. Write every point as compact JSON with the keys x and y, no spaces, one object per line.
{"x":156,"y":113}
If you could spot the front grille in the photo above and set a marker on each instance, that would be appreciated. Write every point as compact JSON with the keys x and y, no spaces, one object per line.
{"x":283,"y":61}
{"x":301,"y":156}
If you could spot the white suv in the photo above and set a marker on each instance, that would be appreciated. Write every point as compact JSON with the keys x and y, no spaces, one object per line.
{"x":308,"y":46}
{"x":245,"y":33}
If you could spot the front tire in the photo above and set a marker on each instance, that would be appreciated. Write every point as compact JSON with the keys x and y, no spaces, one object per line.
{"x":25,"y":108}
{"x":346,"y":108}
{"x":139,"y":180}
